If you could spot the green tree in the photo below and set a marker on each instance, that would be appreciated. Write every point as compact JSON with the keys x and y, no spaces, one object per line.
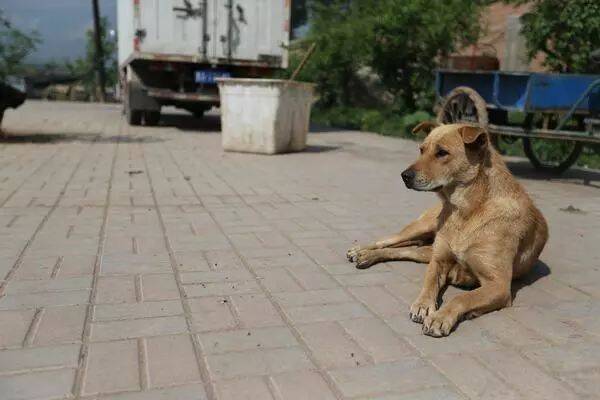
{"x":15,"y":45}
{"x":410,"y":37}
{"x":84,"y":67}
{"x":399,"y":40}
{"x":565,"y":32}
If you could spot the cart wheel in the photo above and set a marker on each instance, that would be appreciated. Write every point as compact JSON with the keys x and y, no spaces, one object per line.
{"x":464,"y":104}
{"x":548,"y":155}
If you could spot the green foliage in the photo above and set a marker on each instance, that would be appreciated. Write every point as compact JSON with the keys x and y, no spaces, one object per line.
{"x":15,"y":45}
{"x":565,"y":32}
{"x":385,"y":122}
{"x":409,"y":36}
{"x":84,"y":67}
{"x":398,"y":40}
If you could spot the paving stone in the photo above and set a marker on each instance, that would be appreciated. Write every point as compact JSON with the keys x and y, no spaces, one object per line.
{"x":112,"y":367}
{"x":19,"y":322}
{"x":159,"y":287}
{"x":149,"y":309}
{"x":301,"y":385}
{"x":378,"y":339}
{"x":312,"y":297}
{"x":406,"y":375}
{"x":186,"y":392}
{"x":331,"y":346}
{"x":472,"y":378}
{"x":427,"y":394}
{"x":47,"y":299}
{"x":566,"y":358}
{"x":221,"y":289}
{"x":115,"y":290}
{"x":211,"y":313}
{"x":49,"y":285}
{"x":39,"y":357}
{"x":171,"y":361}
{"x":379,"y":300}
{"x":38,"y":385}
{"x":127,"y":329}
{"x":244,"y":389}
{"x":255,"y":310}
{"x":257,"y":362}
{"x":326,"y":312}
{"x":60,"y":325}
{"x":530,"y":381}
{"x":247,"y":339}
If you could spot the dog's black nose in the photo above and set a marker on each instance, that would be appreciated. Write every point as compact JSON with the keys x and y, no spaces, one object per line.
{"x":408,"y":176}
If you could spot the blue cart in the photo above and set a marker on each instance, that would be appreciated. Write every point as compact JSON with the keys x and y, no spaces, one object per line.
{"x":536,"y":107}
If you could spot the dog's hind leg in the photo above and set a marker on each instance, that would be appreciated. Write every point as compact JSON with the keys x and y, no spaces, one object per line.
{"x":418,"y":233}
{"x":366,"y":258}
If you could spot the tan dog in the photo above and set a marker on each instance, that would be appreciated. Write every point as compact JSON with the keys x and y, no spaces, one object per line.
{"x":485,"y":233}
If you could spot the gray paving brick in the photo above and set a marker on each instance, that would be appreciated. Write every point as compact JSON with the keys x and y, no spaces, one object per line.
{"x":171,"y":361}
{"x":108,"y":312}
{"x":257,"y":362}
{"x":247,"y":339}
{"x":406,"y":375}
{"x":127,"y":329}
{"x":60,"y":325}
{"x":331,"y":346}
{"x":530,"y":381}
{"x":255,"y":310}
{"x":326,"y":312}
{"x":244,"y":389}
{"x":38,"y":385}
{"x":39,"y":357}
{"x":301,"y":385}
{"x":186,"y":392}
{"x":112,"y":367}
{"x":19,"y":322}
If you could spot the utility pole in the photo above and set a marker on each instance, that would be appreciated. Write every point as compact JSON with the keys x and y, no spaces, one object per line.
{"x":99,"y":56}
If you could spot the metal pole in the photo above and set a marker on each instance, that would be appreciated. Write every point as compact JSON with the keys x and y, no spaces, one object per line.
{"x":99,"y":54}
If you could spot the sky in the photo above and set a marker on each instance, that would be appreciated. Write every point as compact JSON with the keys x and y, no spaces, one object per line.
{"x":61,"y":24}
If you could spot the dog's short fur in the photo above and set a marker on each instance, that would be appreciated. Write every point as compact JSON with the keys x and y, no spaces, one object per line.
{"x":485,"y":233}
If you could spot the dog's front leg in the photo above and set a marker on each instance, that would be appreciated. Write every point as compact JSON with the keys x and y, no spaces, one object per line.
{"x":427,"y":301}
{"x":417,"y":233}
{"x":494,"y":272}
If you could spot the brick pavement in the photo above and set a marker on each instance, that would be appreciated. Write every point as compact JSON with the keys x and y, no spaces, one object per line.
{"x":145,"y":263}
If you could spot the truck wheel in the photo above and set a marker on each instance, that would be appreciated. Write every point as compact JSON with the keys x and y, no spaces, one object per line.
{"x":134,"y":117}
{"x":151,"y":118}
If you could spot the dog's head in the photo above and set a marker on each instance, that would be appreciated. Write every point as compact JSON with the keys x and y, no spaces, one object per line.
{"x":450,"y":154}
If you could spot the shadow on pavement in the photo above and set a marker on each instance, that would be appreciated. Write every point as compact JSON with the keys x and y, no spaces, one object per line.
{"x":208,"y":124}
{"x":523,"y":169}
{"x":49,"y":138}
{"x":540,"y":270}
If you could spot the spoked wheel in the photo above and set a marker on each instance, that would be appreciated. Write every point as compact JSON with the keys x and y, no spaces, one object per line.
{"x":552,"y":156}
{"x":464,"y":104}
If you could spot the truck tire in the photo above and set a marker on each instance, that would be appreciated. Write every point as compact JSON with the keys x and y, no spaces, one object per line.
{"x":151,"y":118}
{"x":134,"y":117}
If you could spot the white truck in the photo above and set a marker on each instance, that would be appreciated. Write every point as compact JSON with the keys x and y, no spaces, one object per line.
{"x":171,"y":51}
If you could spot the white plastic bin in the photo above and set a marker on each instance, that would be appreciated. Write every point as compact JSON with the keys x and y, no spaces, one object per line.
{"x":266,"y":116}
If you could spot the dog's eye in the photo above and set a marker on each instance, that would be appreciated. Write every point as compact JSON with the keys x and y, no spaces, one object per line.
{"x":421,"y":150}
{"x":441,"y":153}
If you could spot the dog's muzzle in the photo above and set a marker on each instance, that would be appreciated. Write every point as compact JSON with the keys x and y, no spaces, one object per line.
{"x":408,"y":176}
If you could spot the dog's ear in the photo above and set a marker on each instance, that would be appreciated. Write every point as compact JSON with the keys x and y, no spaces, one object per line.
{"x":472,"y":135}
{"x":425,"y":126}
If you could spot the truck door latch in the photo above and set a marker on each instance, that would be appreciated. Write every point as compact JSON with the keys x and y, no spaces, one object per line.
{"x":188,"y":11}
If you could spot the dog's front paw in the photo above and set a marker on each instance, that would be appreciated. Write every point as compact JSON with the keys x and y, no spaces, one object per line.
{"x":439,"y":324}
{"x":421,"y":308}
{"x":352,"y":253}
{"x":365,"y":258}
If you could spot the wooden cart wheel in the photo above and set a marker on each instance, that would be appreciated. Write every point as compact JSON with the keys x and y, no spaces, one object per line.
{"x":548,"y":155}
{"x":464,"y":104}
